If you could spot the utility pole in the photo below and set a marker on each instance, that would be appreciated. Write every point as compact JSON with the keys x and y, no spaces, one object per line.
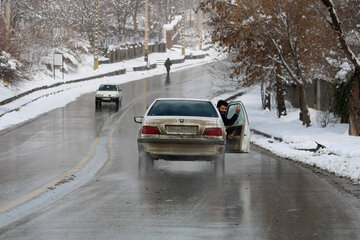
{"x":183,"y":28}
{"x":200,"y":27}
{"x":96,"y":33}
{"x":146,"y":47}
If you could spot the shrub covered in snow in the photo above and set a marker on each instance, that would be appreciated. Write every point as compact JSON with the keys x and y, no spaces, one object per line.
{"x":11,"y":69}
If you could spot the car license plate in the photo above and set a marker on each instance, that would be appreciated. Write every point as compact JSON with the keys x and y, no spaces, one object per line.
{"x":174,"y":129}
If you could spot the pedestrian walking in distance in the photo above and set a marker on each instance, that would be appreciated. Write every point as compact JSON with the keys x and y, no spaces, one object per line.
{"x":167,"y":65}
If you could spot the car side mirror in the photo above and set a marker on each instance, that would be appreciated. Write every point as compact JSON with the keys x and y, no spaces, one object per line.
{"x":138,"y":119}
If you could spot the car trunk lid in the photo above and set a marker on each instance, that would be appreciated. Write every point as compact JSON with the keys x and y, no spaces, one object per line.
{"x":183,"y":126}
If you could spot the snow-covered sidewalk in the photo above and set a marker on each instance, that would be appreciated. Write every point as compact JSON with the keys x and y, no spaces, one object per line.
{"x":340,"y":156}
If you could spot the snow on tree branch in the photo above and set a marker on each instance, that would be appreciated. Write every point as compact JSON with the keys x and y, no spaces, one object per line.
{"x":10,"y":69}
{"x":336,"y":24}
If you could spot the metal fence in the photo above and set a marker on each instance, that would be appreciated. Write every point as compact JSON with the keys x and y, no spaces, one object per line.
{"x":131,"y":51}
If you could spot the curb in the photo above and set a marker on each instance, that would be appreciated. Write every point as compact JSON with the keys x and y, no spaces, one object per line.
{"x":266,"y":135}
{"x":144,"y":68}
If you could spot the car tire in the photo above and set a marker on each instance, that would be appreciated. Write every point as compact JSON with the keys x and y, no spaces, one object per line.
{"x":146,"y":163}
{"x":219,"y":166}
{"x":117,"y":103}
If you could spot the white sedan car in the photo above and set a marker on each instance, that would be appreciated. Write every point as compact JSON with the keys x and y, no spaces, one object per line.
{"x":108,"y":93}
{"x":188,"y":129}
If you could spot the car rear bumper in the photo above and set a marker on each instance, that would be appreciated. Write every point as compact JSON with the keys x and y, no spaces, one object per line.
{"x":106,"y":99}
{"x":182,"y":149}
{"x":182,"y":141}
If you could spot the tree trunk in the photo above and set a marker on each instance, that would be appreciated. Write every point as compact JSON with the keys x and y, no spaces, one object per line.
{"x":136,"y":29}
{"x":280,"y":93}
{"x":266,"y":96}
{"x":354,"y":104}
{"x":262,"y":94}
{"x":167,"y":12}
{"x":8,"y":19}
{"x":304,"y":111}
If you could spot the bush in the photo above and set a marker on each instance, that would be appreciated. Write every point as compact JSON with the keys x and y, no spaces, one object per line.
{"x":11,"y":69}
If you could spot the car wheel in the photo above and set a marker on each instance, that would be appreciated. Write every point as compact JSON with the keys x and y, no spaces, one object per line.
{"x":117,"y":103}
{"x":219,"y":166}
{"x":146,"y":163}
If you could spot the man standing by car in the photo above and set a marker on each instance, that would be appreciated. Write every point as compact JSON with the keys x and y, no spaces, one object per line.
{"x":222,"y":107}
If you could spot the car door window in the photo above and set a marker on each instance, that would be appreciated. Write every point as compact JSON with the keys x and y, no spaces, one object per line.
{"x":231,"y":111}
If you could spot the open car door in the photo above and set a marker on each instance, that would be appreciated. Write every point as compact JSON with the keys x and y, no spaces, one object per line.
{"x":240,"y":130}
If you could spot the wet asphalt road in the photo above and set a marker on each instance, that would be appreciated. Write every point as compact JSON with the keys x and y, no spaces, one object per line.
{"x":259,"y":197}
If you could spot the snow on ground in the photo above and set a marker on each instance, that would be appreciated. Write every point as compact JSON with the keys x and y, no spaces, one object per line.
{"x":340,"y":156}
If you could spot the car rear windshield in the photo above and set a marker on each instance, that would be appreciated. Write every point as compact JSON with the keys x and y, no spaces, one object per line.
{"x":107,"y":88}
{"x":183,"y":108}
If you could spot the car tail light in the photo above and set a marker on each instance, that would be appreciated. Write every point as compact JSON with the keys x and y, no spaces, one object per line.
{"x":150,"y":130}
{"x":213,"y":131}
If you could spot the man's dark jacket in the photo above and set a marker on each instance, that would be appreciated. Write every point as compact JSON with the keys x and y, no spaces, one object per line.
{"x":231,"y":121}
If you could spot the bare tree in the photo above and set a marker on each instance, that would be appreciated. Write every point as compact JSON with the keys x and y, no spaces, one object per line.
{"x":134,"y":11}
{"x":39,"y":27}
{"x":270,"y":33}
{"x":354,"y":101}
{"x":117,"y":14}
